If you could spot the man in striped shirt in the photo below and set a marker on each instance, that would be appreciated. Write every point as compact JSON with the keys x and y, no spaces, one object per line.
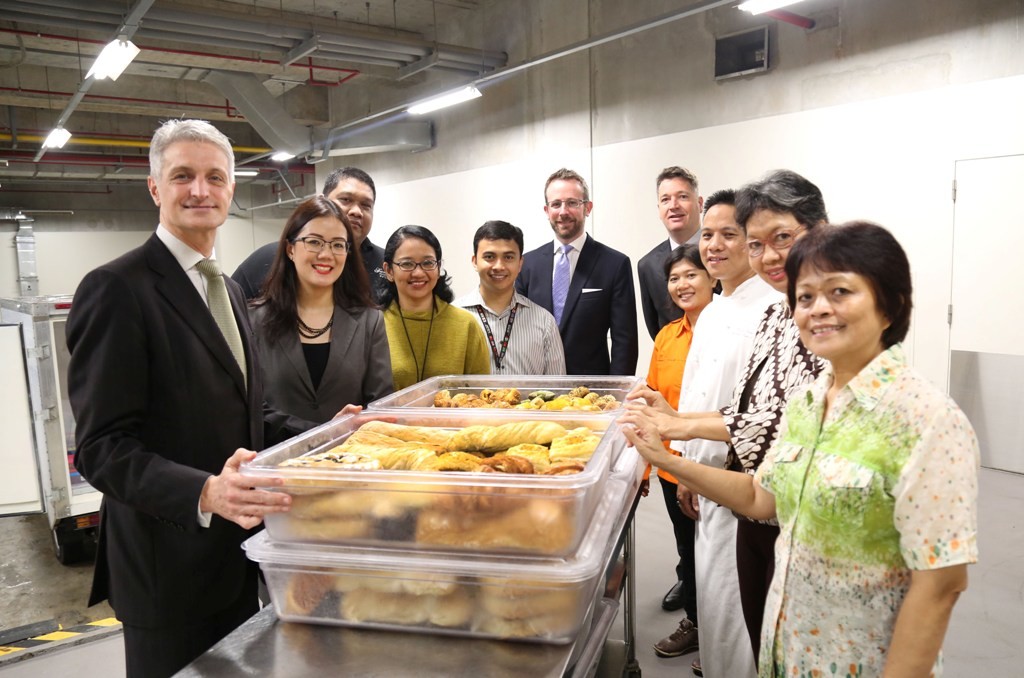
{"x":523,"y":337}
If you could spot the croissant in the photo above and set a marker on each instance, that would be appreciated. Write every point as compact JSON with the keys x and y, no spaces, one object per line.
{"x":496,"y":438}
{"x":412,"y":434}
{"x":507,"y":463}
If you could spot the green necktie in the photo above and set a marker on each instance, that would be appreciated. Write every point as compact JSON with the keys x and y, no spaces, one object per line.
{"x":220,"y":307}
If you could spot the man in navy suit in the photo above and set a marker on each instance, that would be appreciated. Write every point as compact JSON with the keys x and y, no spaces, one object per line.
{"x":679,"y":206}
{"x":587,"y":286}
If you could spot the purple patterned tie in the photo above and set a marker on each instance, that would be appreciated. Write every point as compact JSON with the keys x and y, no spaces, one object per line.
{"x":560,"y":283}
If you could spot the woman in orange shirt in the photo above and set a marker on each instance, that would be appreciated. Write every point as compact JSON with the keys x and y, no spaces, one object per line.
{"x":690,"y":287}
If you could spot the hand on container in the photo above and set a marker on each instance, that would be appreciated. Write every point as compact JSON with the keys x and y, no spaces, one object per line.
{"x":242,"y":499}
{"x":349,"y":409}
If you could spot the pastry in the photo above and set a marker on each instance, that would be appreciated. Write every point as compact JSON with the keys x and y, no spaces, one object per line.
{"x":507,"y":463}
{"x":496,"y":438}
{"x":305,"y":590}
{"x":449,"y":610}
{"x":577,"y":444}
{"x":537,"y":454}
{"x":334,"y":529}
{"x":564,"y":469}
{"x":539,"y":525}
{"x":412,"y":434}
{"x":528,"y":601}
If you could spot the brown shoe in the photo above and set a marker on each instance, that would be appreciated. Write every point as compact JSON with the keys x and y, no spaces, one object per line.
{"x":682,"y":640}
{"x":695,"y":666}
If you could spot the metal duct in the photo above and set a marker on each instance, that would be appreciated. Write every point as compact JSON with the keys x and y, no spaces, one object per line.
{"x":25,"y":244}
{"x":261,"y":110}
{"x":396,"y":136}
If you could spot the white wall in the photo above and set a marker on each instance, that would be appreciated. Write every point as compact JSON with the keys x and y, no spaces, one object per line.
{"x":888,"y":160}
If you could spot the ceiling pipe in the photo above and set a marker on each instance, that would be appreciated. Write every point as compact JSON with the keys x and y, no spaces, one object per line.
{"x":790,"y":18}
{"x":339,"y":132}
{"x":84,"y":140}
{"x":126,"y":31}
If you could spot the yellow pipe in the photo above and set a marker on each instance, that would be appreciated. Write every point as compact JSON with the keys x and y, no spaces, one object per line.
{"x":123,"y":143}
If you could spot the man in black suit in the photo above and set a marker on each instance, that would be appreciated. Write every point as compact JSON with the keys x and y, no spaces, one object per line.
{"x":355,"y":192}
{"x":595,"y":281}
{"x":679,"y":206}
{"x":168,"y":402}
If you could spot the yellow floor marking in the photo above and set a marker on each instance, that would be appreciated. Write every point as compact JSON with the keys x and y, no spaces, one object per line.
{"x":57,"y":635}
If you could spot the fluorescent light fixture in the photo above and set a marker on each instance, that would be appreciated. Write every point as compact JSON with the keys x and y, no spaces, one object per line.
{"x":281,"y":156}
{"x":762,"y":6}
{"x":57,"y":138}
{"x":114,"y":58}
{"x":445,"y":100}
{"x":246,"y":173}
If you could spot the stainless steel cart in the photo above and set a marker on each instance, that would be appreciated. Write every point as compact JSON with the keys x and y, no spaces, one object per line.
{"x":32,"y":337}
{"x":265,"y":646}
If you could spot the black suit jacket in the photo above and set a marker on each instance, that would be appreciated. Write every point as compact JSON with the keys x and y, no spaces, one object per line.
{"x":160,"y":404}
{"x":608,"y":304}
{"x":658,"y":309}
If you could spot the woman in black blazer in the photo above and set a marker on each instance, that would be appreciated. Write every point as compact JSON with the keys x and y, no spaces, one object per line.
{"x":321,"y":340}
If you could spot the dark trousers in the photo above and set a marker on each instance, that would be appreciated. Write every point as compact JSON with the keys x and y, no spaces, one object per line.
{"x":163,"y":651}
{"x":683,"y":528}
{"x":755,"y":565}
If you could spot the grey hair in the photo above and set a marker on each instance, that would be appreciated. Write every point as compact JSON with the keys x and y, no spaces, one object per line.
{"x":174,"y":131}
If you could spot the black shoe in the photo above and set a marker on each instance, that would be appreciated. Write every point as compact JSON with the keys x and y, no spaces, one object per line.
{"x":673,"y":600}
{"x":695,"y":667}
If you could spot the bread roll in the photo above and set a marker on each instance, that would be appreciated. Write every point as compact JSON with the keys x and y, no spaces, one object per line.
{"x":331,"y":529}
{"x":537,"y":454}
{"x":496,"y":438}
{"x":539,"y":525}
{"x":413,"y":434}
{"x":577,"y":444}
{"x":535,"y":602}
{"x":305,"y":590}
{"x":450,"y":610}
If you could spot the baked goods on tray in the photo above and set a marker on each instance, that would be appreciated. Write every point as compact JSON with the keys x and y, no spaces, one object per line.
{"x":580,"y":399}
{"x":501,"y":516}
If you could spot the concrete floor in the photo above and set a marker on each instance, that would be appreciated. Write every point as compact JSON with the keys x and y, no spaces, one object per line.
{"x":982,"y":639}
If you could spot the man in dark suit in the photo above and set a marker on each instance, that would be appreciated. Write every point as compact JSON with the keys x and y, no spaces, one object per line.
{"x":679,"y":206}
{"x":587,"y":286}
{"x":165,"y":387}
{"x":355,"y":192}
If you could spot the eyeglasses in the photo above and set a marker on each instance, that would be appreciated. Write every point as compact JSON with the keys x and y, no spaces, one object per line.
{"x":779,"y":242}
{"x":571,"y":203}
{"x":316,"y":245}
{"x":409,"y":265}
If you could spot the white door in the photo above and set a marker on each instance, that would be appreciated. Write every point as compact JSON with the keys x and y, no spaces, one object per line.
{"x":19,"y":479}
{"x":987,"y":328}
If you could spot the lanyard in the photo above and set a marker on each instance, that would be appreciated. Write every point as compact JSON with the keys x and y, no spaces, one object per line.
{"x":490,"y":335}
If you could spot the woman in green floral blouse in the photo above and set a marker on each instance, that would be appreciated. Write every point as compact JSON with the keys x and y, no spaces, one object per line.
{"x":873,"y":478}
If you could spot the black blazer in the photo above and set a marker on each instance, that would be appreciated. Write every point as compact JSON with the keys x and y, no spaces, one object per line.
{"x":658,"y":309}
{"x":609,"y":304}
{"x":358,"y":366}
{"x":160,"y":404}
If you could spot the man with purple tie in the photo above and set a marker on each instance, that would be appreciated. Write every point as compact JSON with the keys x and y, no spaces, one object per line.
{"x":587,"y":286}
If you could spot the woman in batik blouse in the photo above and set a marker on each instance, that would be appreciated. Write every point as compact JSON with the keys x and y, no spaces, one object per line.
{"x":873,"y":477}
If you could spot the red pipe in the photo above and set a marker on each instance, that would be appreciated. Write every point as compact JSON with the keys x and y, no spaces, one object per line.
{"x":229,"y":110}
{"x":790,"y":18}
{"x":351,"y":72}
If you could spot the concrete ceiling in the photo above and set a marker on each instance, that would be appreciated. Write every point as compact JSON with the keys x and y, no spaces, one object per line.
{"x":200,"y":59}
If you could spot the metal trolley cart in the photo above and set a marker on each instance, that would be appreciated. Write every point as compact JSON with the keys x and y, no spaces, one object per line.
{"x":41,"y":437}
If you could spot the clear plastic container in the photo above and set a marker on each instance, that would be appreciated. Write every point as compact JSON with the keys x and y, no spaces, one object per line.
{"x":486,"y":512}
{"x":421,"y":396}
{"x":506,"y":597}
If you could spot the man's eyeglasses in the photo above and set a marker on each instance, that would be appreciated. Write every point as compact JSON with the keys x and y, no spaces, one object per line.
{"x":409,"y":265}
{"x":316,"y":245}
{"x":780,"y":241}
{"x":571,"y":203}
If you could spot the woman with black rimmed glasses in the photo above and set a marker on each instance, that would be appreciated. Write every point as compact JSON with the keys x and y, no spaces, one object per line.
{"x":322,"y":345}
{"x":427,"y":335}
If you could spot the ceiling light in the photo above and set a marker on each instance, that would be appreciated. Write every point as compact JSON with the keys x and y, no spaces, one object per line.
{"x":445,"y":100}
{"x":762,"y":6}
{"x":57,"y":138}
{"x":246,"y":172}
{"x":281,"y":156}
{"x":114,"y":58}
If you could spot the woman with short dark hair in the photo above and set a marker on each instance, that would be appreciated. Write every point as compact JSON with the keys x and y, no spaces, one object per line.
{"x":321,"y":340}
{"x":873,"y":477}
{"x":427,"y":335}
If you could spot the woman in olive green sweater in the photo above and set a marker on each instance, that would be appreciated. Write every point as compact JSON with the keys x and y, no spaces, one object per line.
{"x":427,"y":335}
